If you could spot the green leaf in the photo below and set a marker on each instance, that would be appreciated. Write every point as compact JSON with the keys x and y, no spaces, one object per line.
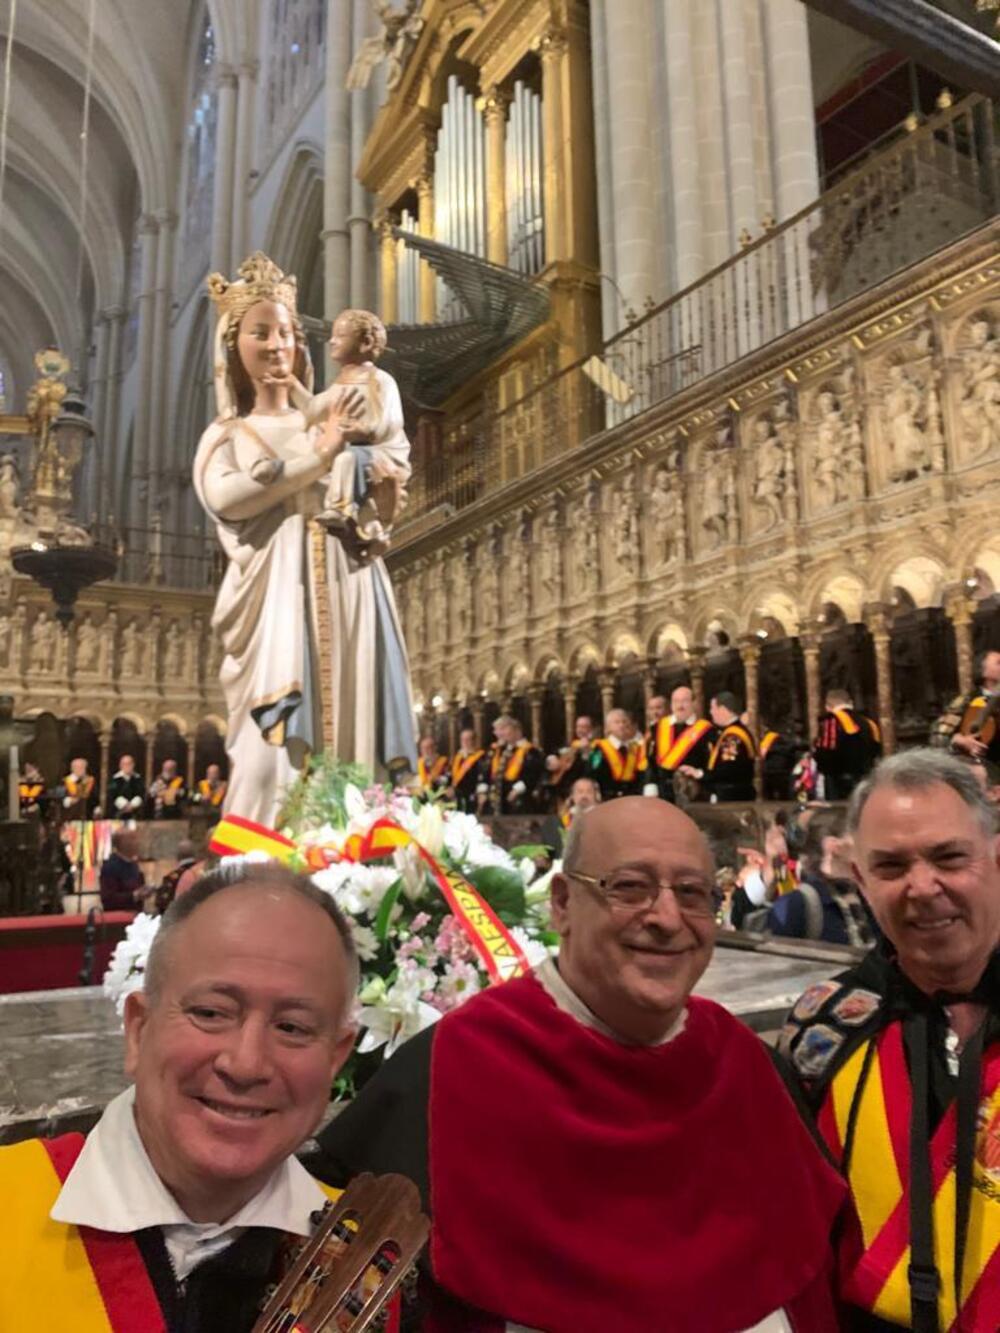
{"x":384,"y":918}
{"x":529,"y":850}
{"x":503,"y":890}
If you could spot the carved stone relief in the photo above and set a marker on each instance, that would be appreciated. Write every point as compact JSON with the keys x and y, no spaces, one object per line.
{"x":666,"y":508}
{"x":88,"y":646}
{"x":133,"y":651}
{"x":626,"y":524}
{"x":769,"y":467}
{"x":904,"y":412}
{"x":550,"y":562}
{"x":44,"y":643}
{"x":978,"y":372}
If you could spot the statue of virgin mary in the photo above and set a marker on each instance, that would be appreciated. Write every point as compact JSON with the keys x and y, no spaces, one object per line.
{"x":314,"y":658}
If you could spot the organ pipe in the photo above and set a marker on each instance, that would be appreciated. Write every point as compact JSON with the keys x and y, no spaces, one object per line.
{"x":525,"y":211}
{"x":459,"y":184}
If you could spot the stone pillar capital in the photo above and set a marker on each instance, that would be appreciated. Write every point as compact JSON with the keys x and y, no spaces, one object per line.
{"x":496,"y":102}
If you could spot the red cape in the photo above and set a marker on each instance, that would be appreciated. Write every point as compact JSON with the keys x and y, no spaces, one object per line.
{"x":582,"y":1186}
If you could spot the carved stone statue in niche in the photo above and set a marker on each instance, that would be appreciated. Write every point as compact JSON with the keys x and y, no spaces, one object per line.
{"x":627,"y":525}
{"x":905,"y":410}
{"x":980,"y":407}
{"x":832,"y":446}
{"x":88,"y":645}
{"x":550,"y":556}
{"x":518,"y":586}
{"x":133,"y":660}
{"x":668,"y":516}
{"x":44,"y":640}
{"x":173,"y":659}
{"x":488,"y":583}
{"x":588,"y":538}
{"x":716,"y":488}
{"x":437,"y":611}
{"x":769,"y":472}
{"x":8,"y":486}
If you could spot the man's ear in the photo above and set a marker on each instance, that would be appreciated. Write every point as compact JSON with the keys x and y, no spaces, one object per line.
{"x":559,"y":903}
{"x":136,"y":1016}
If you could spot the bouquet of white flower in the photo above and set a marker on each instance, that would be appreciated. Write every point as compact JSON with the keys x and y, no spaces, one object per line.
{"x":418,"y":957}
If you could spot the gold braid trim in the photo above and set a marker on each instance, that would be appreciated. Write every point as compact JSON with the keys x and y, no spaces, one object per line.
{"x":324,"y":630}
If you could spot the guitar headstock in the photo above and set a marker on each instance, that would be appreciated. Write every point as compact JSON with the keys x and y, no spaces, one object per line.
{"x":362,"y":1248}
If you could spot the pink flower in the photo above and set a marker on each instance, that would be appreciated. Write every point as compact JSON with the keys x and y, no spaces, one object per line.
{"x":419,"y":921}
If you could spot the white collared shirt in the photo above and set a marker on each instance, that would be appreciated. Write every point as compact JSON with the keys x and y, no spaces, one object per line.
{"x":113,"y":1186}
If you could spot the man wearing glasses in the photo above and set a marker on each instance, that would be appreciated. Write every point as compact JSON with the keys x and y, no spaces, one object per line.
{"x":601,"y":1151}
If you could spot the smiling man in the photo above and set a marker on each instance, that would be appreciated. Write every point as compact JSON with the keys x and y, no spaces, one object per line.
{"x":900,"y":1057}
{"x":174,"y":1213}
{"x":600,"y":1150}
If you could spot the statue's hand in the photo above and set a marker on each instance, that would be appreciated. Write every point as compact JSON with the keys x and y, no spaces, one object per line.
{"x":342,"y":419}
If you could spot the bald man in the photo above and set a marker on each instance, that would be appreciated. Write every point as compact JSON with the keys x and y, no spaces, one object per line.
{"x":601,"y":1150}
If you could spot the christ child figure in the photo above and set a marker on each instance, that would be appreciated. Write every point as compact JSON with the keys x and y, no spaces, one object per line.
{"x":367,"y":479}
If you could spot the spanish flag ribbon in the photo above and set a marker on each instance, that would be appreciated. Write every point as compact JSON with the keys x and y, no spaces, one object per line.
{"x":233,"y":836}
{"x":501,"y":954}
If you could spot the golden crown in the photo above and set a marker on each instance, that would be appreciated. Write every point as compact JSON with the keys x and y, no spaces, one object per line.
{"x":260,"y":279}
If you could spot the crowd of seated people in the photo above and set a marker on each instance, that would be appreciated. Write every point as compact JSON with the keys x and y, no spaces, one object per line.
{"x":77,"y":795}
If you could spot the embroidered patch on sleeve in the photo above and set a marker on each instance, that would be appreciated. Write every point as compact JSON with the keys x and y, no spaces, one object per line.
{"x":810,"y":1002}
{"x":815,"y":1049}
{"x":856,"y":1007}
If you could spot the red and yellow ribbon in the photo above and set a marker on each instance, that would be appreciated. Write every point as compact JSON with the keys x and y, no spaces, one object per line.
{"x":501,"y":954}
{"x":233,"y":836}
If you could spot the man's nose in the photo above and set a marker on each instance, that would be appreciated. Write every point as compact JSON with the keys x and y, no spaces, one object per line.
{"x":922,"y":879}
{"x":664,"y":912}
{"x":244,"y":1056}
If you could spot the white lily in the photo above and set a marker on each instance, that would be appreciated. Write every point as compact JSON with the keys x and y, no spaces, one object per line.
{"x":389,"y":1025}
{"x":430,"y":830}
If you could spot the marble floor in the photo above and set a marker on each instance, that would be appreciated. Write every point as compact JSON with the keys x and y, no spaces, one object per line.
{"x":61,"y":1051}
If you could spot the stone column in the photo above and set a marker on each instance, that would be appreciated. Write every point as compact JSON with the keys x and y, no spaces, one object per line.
{"x":536,"y":696}
{"x":648,"y":678}
{"x":478,"y":711}
{"x":633,"y":157}
{"x":104,"y":738}
{"x":160,"y":443}
{"x":225,"y":166}
{"x":606,"y":678}
{"x":359,"y":223}
{"x":149,"y":739}
{"x":191,"y":739}
{"x":682,"y":127}
{"x":750,"y":657}
{"x":337,"y":162}
{"x":793,"y":140}
{"x":149,"y":231}
{"x":390,"y":286}
{"x":246,"y":106}
{"x":960,"y":610}
{"x":94,"y":468}
{"x":453,"y":707}
{"x":495,"y":115}
{"x":425,"y":224}
{"x":696,"y":670}
{"x":809,"y":641}
{"x":879,"y":624}
{"x":553,"y":52}
{"x":569,"y":705}
{"x":108,"y":439}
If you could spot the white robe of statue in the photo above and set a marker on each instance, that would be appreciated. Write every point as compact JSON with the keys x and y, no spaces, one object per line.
{"x":313,"y":654}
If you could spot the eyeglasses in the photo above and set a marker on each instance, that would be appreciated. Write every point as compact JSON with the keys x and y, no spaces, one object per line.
{"x":628,"y":891}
